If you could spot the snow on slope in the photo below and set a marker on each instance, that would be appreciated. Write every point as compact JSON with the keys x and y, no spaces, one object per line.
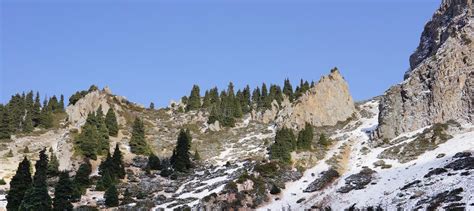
{"x":385,"y":189}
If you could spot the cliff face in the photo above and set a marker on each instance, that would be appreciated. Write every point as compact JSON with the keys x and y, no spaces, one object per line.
{"x":327,"y":103}
{"x":439,"y":85}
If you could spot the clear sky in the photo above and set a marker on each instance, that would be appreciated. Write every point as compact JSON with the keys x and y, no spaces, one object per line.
{"x":156,"y":50}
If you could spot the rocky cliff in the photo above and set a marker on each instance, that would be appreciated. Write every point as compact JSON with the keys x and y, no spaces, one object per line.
{"x":327,"y":103}
{"x":439,"y":85}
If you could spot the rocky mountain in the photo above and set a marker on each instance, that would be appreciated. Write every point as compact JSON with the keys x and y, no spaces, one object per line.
{"x":327,"y":103}
{"x":411,"y":148}
{"x":439,"y":85}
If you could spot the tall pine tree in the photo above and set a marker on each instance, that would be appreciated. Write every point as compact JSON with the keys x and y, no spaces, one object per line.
{"x":111,"y":197}
{"x":138,"y":143}
{"x":63,"y":193}
{"x":81,"y":180}
{"x":194,"y":100}
{"x":37,"y":197}
{"x":181,"y":157}
{"x":19,"y":184}
{"x":111,"y":122}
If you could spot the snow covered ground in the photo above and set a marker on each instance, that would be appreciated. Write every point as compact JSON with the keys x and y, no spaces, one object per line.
{"x":385,"y":189}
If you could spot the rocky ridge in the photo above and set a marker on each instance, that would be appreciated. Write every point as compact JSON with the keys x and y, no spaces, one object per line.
{"x":439,"y":85}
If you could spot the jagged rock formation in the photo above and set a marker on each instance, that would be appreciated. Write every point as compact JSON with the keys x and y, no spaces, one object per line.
{"x":78,"y":112}
{"x":439,"y":85}
{"x":327,"y":103}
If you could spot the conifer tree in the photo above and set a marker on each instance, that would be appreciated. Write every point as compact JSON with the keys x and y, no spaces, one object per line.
{"x":196,"y":155}
{"x":88,"y":141}
{"x":46,"y":117}
{"x":61,"y":104}
{"x":37,"y":197}
{"x":323,"y":140}
{"x":53,"y":165}
{"x":256,"y":97}
{"x":111,"y":196}
{"x":181,"y":157}
{"x":288,"y":89}
{"x":28,"y":123}
{"x":152,"y":106}
{"x":4,"y":124}
{"x":138,"y":143}
{"x":117,"y":163}
{"x":305,"y":137}
{"x":127,"y":197}
{"x":103,"y":132}
{"x":206,"y":102}
{"x":63,"y":193}
{"x":36,"y":112}
{"x":154,"y":162}
{"x":285,"y":143}
{"x":81,"y":180}
{"x":194,"y":100}
{"x":18,"y":185}
{"x":111,"y":122}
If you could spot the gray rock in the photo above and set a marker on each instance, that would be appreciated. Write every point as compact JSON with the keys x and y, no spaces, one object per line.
{"x":440,"y":83}
{"x":326,"y":177}
{"x":357,"y":181}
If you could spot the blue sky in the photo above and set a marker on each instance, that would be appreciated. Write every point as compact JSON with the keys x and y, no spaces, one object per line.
{"x":156,"y":50}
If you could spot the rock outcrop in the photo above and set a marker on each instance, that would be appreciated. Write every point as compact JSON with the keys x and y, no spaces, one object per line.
{"x":440,"y":83}
{"x":327,"y":103}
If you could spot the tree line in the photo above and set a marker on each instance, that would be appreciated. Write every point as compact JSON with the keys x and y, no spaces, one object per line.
{"x":286,"y":142}
{"x":227,"y":105}
{"x":24,"y":112}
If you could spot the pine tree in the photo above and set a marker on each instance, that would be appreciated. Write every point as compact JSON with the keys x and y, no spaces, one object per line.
{"x":111,"y":122}
{"x":256,"y":97}
{"x":81,"y":180}
{"x":154,"y":162}
{"x":111,"y":197}
{"x":37,"y":197}
{"x":36,"y":112}
{"x":127,"y":197}
{"x":206,"y":102}
{"x":18,"y":185}
{"x":61,"y":104}
{"x":103,"y":132}
{"x":288,"y":89}
{"x":323,"y":140}
{"x":63,"y":193}
{"x":4,"y":124}
{"x":53,"y":166}
{"x":46,"y":116}
{"x":28,"y":123}
{"x":88,"y":141}
{"x":196,"y":155}
{"x":305,"y":137}
{"x":117,"y":163}
{"x":180,"y":159}
{"x":285,"y":143}
{"x":194,"y":101}
{"x":152,"y":106}
{"x":138,"y":143}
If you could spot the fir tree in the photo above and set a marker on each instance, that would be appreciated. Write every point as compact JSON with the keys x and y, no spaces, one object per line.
{"x":46,"y":116}
{"x":285,"y":143}
{"x":117,"y":163}
{"x":28,"y":123}
{"x":194,"y":100}
{"x":61,"y":104}
{"x":81,"y":180}
{"x":111,"y":122}
{"x":111,"y":197}
{"x":153,"y":162}
{"x":18,"y":185}
{"x":138,"y":143}
{"x":103,"y":132}
{"x":36,"y":112}
{"x":63,"y":193}
{"x":4,"y":124}
{"x":305,"y":137}
{"x":152,"y":106}
{"x":53,"y":166}
{"x":127,"y":198}
{"x":37,"y":197}
{"x":196,"y":155}
{"x":288,"y":89}
{"x":323,"y":140}
{"x":181,"y":156}
{"x":88,"y":141}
